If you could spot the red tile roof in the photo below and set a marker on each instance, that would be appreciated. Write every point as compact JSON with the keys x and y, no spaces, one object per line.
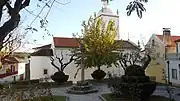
{"x":65,"y":42}
{"x":72,"y":42}
{"x":178,"y":40}
{"x":173,"y":39}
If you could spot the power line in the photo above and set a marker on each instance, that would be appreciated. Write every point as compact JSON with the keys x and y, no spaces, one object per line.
{"x":39,"y":12}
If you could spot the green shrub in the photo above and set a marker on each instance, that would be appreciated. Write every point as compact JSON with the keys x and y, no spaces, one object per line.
{"x":134,"y":84}
{"x":134,"y":70}
{"x":139,"y":90}
{"x":98,"y":74}
{"x":60,"y":77}
{"x":26,"y":82}
{"x":137,"y":79}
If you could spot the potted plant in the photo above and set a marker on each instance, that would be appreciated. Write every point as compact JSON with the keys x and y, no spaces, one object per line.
{"x":60,"y":76}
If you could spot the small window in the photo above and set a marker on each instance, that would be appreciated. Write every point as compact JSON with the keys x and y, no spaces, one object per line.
{"x":153,"y":42}
{"x":45,"y":71}
{"x":174,"y":74}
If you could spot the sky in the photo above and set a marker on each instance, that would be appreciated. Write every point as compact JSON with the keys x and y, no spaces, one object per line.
{"x":67,"y":19}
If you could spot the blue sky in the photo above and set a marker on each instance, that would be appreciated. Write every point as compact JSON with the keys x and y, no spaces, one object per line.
{"x":66,"y":19}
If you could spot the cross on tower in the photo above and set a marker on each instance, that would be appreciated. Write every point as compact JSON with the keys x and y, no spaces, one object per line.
{"x":105,"y":3}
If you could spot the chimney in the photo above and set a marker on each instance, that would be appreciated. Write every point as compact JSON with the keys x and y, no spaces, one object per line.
{"x":167,"y":36}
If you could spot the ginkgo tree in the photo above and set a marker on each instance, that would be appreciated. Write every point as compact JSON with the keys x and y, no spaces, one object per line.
{"x":101,"y":48}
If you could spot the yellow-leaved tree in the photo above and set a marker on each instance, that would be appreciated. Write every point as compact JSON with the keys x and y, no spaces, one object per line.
{"x":100,"y":46}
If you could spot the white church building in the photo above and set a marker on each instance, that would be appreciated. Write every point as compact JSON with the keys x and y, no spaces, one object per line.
{"x":40,"y":64}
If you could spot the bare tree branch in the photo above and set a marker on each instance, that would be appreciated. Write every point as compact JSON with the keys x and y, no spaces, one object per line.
{"x":52,"y":63}
{"x":60,"y":60}
{"x":70,"y":60}
{"x":62,"y":64}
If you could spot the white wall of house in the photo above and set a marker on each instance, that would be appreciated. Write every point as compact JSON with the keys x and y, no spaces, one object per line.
{"x":21,"y":68}
{"x":37,"y":66}
{"x":71,"y":68}
{"x":39,"y":63}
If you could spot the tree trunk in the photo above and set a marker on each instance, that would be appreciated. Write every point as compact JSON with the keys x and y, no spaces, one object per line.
{"x":13,"y":22}
{"x":99,"y":67}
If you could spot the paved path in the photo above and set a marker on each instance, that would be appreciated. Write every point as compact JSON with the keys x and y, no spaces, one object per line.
{"x":160,"y":90}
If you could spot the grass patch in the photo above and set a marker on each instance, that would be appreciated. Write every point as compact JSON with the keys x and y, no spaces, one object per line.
{"x":48,"y":98}
{"x":110,"y":97}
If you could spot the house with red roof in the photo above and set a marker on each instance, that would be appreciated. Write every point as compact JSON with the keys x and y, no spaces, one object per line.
{"x":41,"y":67}
{"x":163,"y":43}
{"x":12,"y":69}
{"x":163,"y":46}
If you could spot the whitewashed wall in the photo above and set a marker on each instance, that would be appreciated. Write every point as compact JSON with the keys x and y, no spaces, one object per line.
{"x":71,"y":68}
{"x":37,"y":66}
{"x":21,"y":68}
{"x":39,"y":63}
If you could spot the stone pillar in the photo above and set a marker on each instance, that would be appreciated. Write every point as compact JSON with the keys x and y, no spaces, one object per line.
{"x":82,"y":62}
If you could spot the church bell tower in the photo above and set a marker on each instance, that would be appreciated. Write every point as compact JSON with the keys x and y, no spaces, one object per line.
{"x":106,"y":14}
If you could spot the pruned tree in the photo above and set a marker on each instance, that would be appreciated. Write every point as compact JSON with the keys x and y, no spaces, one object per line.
{"x":60,"y":59}
{"x":126,"y":59}
{"x":134,"y":58}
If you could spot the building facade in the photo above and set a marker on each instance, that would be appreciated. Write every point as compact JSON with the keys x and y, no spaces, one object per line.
{"x":160,"y":45}
{"x":40,"y":64}
{"x":12,"y":70}
{"x":173,"y":65}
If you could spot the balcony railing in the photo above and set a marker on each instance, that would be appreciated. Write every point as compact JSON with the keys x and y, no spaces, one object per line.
{"x":8,"y":74}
